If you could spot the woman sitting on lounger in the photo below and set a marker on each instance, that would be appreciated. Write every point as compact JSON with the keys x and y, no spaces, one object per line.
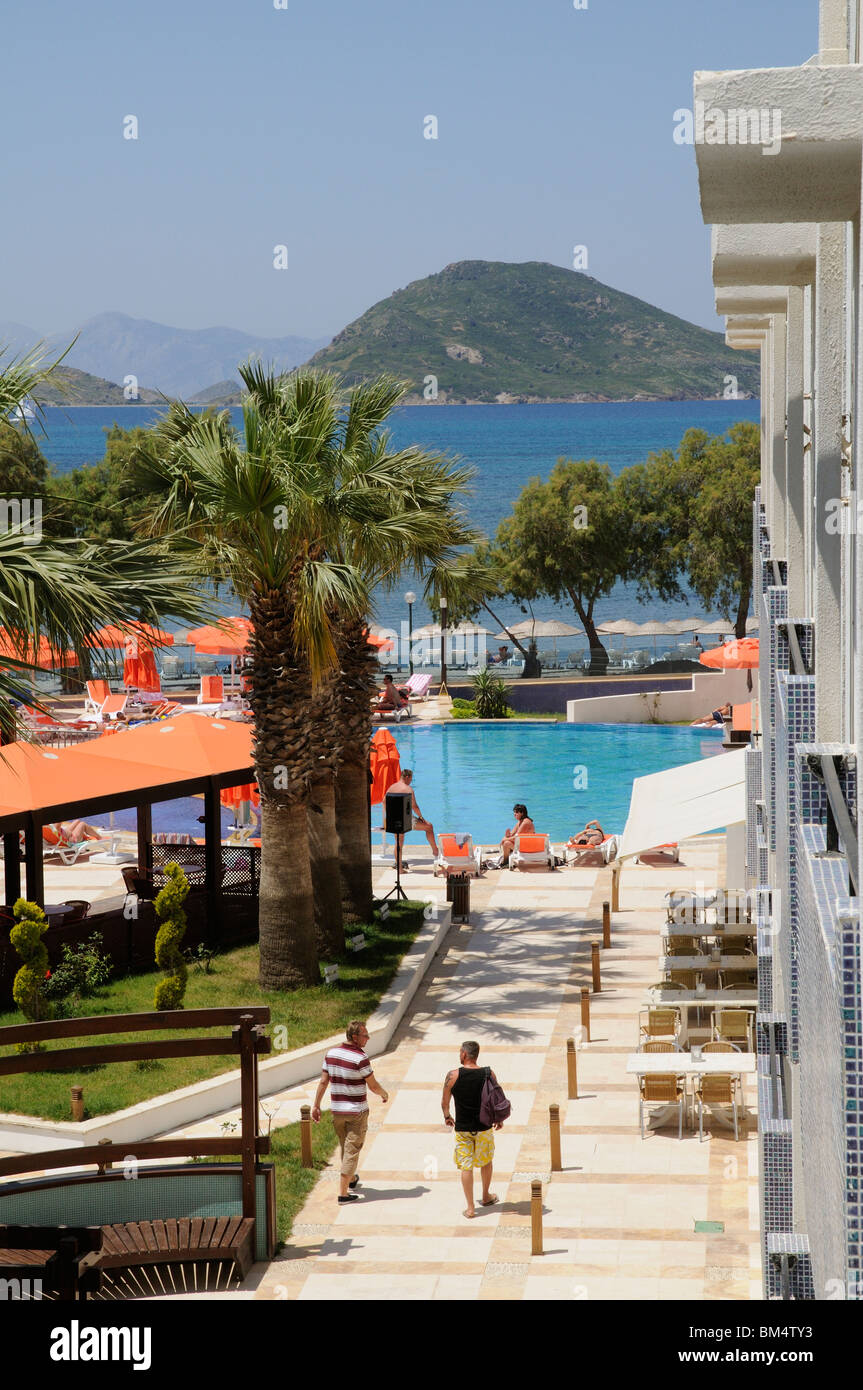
{"x":591,"y":837}
{"x":523,"y":826}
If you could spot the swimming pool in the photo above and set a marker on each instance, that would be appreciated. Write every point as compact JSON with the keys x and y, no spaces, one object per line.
{"x":467,"y":777}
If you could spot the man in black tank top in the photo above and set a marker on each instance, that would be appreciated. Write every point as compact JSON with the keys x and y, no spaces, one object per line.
{"x":474,"y":1141}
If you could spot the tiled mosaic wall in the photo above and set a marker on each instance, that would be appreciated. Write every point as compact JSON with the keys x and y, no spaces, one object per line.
{"x":795,"y":724}
{"x":752,"y":766}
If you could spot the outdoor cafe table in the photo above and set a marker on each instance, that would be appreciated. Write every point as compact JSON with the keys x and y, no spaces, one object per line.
{"x":708,"y":929}
{"x":717,"y":998}
{"x":684,"y":1064}
{"x":705,"y":963}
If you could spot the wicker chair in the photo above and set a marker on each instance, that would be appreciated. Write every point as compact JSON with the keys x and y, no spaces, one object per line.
{"x":660,"y":1023}
{"x":78,"y":910}
{"x":716,"y":1090}
{"x":659,"y":1089}
{"x":732,"y":1025}
{"x":659,"y":1047}
{"x":687,"y":978}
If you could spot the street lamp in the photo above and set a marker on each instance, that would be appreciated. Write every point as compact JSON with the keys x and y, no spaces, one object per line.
{"x":443,"y":608}
{"x":410,"y":600}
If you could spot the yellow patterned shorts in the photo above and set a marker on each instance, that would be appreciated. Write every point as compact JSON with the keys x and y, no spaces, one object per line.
{"x":473,"y":1150}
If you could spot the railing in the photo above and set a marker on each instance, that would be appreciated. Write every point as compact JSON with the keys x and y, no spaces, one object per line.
{"x":841,"y":828}
{"x":240,"y":871}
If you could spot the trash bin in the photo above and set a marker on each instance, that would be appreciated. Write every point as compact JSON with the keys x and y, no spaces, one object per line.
{"x":458,"y":893}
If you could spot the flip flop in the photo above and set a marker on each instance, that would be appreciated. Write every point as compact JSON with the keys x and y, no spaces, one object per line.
{"x":469,"y":1214}
{"x":491,"y":1201}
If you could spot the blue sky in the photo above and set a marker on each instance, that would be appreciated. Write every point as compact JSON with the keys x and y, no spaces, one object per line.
{"x":304,"y":127}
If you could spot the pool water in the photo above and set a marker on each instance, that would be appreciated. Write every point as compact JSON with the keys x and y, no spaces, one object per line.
{"x":467,"y":777}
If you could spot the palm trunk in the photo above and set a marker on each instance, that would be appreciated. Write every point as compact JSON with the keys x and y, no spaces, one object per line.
{"x":324,"y":855}
{"x":288,"y":958}
{"x":280,"y":697}
{"x":352,"y":693}
{"x":352,"y":817}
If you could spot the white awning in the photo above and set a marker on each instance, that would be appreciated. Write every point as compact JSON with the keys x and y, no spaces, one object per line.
{"x":690,"y":800}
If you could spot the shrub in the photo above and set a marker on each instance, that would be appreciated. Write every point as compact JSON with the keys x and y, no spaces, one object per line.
{"x":82,"y":971}
{"x":169,"y":953}
{"x":28,"y":987}
{"x":490,"y":695}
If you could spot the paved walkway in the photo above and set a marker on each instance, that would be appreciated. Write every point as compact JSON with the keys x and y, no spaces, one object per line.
{"x":619,"y":1221}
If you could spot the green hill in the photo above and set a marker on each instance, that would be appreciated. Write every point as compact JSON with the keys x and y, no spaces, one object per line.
{"x":490,"y":331}
{"x":68,"y":386}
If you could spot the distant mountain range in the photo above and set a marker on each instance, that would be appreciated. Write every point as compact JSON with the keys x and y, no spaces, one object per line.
{"x":176,"y":361}
{"x":490,"y":331}
{"x":476,"y":331}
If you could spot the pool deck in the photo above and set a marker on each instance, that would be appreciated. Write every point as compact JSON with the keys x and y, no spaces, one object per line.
{"x":619,"y":1220}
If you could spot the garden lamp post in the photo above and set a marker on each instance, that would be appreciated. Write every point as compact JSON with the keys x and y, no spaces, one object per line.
{"x":443,"y":608}
{"x":410,"y":600}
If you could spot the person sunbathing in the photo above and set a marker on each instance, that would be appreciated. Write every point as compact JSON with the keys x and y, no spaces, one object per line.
{"x":523,"y":826}
{"x":591,"y":836}
{"x":390,"y":697}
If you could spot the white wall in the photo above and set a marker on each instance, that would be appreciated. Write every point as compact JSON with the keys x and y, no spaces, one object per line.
{"x":706,"y":693}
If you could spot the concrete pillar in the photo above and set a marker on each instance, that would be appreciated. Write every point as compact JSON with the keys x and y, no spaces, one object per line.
{"x":795,"y":512}
{"x":833,"y":32}
{"x":776,"y":441}
{"x":768,"y":490}
{"x":827,"y":450}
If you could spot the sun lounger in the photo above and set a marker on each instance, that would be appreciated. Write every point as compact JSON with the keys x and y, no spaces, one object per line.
{"x":459,"y":854}
{"x":576,"y":854}
{"x":97,"y":694}
{"x":111,"y":707}
{"x":57,"y":841}
{"x":386,"y":712}
{"x":672,"y":850}
{"x":532,"y":851}
{"x":417,"y":686}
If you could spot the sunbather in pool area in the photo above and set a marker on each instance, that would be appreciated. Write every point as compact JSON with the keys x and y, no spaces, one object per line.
{"x":523,"y":826}
{"x":592,"y":835}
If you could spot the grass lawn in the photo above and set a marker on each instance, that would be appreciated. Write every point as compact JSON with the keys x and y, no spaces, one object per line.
{"x":307,"y":1014}
{"x":293,"y":1181}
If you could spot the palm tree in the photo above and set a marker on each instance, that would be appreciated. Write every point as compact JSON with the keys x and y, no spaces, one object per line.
{"x":396,"y":509}
{"x":64,"y":591}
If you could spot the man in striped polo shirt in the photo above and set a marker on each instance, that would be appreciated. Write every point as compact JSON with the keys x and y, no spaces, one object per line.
{"x":348,"y":1069}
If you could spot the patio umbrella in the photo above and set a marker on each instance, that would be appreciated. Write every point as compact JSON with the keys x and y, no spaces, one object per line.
{"x":45,"y":656}
{"x":383,"y":644}
{"x":112,"y":637}
{"x":384,"y":765}
{"x":230,"y":637}
{"x":741,"y":654}
{"x":139,"y":666}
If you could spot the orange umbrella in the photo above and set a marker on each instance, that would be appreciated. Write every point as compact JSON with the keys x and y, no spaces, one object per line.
{"x":228,"y":638}
{"x":139,"y":667}
{"x":739,"y":655}
{"x":384,"y":764}
{"x":45,"y":656}
{"x":113,"y":636}
{"x":383,"y":644}
{"x":234,"y":797}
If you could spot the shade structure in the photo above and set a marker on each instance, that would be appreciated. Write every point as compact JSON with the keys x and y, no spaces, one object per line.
{"x":235,"y":797}
{"x":44,"y":656}
{"x":541,"y":627}
{"x":734,"y":656}
{"x":112,"y":636}
{"x":162,"y":760}
{"x":690,"y":800}
{"x":384,"y":765}
{"x":618,"y":627}
{"x":383,"y":644}
{"x":454,"y":630}
{"x":229,"y":637}
{"x":139,"y":666}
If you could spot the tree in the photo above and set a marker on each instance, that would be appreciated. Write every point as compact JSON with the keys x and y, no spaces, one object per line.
{"x":65,"y":590}
{"x":568,"y":539}
{"x":169,"y":951}
{"x":692,"y":520}
{"x":101,"y":500}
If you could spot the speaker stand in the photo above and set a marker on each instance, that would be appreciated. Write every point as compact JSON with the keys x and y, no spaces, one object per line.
{"x":397,"y":889}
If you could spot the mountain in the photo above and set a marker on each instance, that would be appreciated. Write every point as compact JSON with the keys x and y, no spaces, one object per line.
{"x":490,"y":331}
{"x":223,"y":393}
{"x":176,"y":361}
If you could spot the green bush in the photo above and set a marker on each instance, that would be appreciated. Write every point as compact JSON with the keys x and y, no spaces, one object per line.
{"x":490,"y":696}
{"x":28,"y":987}
{"x":169,"y":954}
{"x":82,"y":971}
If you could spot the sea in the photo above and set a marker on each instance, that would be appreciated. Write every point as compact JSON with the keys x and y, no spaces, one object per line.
{"x":507,"y":445}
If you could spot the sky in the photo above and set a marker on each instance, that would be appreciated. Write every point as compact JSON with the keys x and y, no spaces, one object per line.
{"x":303,"y":127}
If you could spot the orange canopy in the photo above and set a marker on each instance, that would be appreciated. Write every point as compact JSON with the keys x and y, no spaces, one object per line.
{"x":741,"y":654}
{"x":139,"y":667}
{"x":45,"y":656}
{"x":383,"y":644}
{"x":230,"y":637}
{"x":154,"y":758}
{"x":384,"y":764}
{"x":113,"y":636}
{"x":235,"y":796}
